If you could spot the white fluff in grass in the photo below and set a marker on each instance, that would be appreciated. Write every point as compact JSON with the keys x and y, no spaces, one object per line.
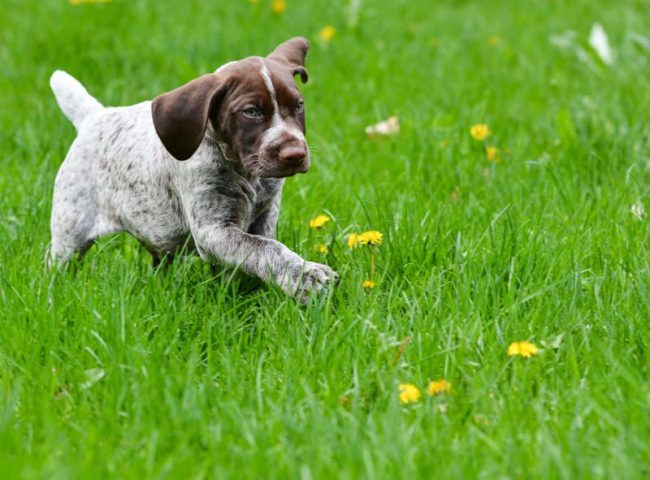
{"x":385,"y":128}
{"x":599,"y":42}
{"x":638,"y":210}
{"x":93,"y":375}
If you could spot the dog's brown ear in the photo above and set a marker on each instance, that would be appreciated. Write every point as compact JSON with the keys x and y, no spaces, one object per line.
{"x":180,"y":117}
{"x":293,"y":53}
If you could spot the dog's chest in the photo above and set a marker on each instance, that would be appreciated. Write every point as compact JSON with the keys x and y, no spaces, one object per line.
{"x":259,"y":195}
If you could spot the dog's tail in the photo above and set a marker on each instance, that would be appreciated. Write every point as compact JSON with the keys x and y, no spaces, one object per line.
{"x":73,"y":98}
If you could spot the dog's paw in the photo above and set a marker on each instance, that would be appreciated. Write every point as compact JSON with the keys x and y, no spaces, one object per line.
{"x":309,"y":279}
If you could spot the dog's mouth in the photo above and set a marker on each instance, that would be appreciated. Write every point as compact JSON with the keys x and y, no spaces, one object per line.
{"x":273,"y":167}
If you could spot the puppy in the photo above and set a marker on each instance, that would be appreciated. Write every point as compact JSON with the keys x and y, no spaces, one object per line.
{"x":202,"y":165}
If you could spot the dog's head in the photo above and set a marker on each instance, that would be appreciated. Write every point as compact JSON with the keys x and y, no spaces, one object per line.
{"x":254,"y":108}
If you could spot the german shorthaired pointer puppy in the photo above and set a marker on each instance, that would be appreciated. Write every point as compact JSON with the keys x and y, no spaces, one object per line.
{"x":239,"y":131}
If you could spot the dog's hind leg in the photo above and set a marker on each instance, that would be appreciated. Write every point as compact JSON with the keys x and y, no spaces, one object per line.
{"x":72,"y":224}
{"x":73,"y":235}
{"x":76,"y":222}
{"x":77,"y":219}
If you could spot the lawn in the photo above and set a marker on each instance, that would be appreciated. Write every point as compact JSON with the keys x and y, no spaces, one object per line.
{"x":116,"y":370}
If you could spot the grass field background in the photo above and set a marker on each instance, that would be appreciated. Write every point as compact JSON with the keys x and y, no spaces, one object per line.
{"x":120,"y":371}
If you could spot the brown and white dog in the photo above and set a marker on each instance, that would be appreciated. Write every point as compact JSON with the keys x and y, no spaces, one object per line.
{"x":238,"y":131}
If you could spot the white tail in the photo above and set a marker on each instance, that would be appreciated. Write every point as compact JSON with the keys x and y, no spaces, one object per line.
{"x":73,"y":98}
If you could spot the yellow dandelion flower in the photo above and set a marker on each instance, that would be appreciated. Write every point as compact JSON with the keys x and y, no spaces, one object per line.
{"x":480,"y":131}
{"x":371,"y":237}
{"x":319,"y":221}
{"x":322,"y":248}
{"x":327,"y":33}
{"x":80,"y":2}
{"x":369,"y":284}
{"x":437,"y":387}
{"x":523,"y":349}
{"x":408,"y":393}
{"x":353,"y":240}
{"x":278,"y":6}
{"x":493,"y":154}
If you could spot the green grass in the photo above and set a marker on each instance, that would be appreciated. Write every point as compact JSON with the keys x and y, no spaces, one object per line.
{"x":206,"y":377}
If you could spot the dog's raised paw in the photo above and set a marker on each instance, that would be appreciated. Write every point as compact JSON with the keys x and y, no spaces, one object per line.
{"x":310,"y":279}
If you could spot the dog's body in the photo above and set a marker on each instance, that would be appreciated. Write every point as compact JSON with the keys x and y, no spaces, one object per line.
{"x":241,"y":130}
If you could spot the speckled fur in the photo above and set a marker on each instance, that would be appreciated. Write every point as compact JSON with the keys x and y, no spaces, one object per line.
{"x":118,"y":177}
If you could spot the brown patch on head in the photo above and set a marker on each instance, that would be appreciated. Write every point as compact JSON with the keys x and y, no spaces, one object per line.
{"x":235,"y":123}
{"x":254,"y":107}
{"x":287,"y":94}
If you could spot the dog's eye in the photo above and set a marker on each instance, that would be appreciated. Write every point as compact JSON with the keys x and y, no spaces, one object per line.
{"x":300,"y":108}
{"x":252,"y":112}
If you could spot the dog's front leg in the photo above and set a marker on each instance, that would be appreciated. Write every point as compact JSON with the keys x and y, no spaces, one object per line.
{"x":265,"y":258}
{"x":265,"y":224}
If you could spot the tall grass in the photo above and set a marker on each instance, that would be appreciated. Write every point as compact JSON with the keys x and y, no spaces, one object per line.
{"x":119,"y":370}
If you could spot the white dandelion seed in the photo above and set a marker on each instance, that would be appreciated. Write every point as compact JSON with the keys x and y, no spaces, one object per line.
{"x":599,"y":42}
{"x":638,"y":210}
{"x":384,"y":129}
